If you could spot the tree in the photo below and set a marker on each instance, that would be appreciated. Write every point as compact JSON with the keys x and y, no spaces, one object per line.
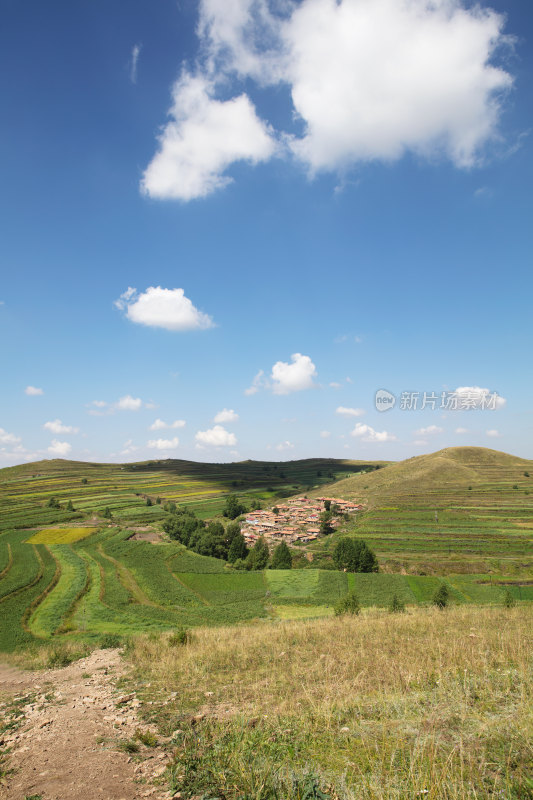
{"x":396,"y":606}
{"x":258,"y":555}
{"x":238,"y":550}
{"x":325,"y":523}
{"x":281,"y":557}
{"x":255,"y":505}
{"x":84,"y":480}
{"x":233,"y":507}
{"x":158,"y":501}
{"x":349,"y":604}
{"x":107,"y":513}
{"x":70,"y":507}
{"x":327,"y":505}
{"x":53,"y":503}
{"x":354,"y":555}
{"x":441,"y":597}
{"x":148,"y":502}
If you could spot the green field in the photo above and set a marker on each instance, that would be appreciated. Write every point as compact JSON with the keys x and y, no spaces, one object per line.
{"x":69,"y":582}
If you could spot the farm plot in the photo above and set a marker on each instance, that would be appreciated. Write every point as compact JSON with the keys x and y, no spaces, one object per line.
{"x":60,"y":535}
{"x":232,"y":597}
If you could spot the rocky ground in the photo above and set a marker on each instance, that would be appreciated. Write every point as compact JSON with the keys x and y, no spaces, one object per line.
{"x":70,"y":733}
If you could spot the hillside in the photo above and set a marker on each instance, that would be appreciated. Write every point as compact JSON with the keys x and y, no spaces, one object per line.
{"x":459,"y":509}
{"x":124,"y":488}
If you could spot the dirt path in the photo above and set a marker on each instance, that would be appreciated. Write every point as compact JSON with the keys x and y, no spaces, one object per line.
{"x":66,"y":746}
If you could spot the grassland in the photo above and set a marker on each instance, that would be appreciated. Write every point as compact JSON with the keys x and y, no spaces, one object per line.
{"x":427,"y":704}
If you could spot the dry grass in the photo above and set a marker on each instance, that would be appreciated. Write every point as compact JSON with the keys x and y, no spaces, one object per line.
{"x":431,"y":704}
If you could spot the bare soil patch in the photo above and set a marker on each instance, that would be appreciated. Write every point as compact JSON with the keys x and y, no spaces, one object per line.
{"x":74,"y":720}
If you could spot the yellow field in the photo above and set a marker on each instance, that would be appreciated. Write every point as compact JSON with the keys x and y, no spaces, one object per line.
{"x":60,"y":535}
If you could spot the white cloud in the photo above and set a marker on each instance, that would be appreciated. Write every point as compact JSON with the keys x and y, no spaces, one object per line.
{"x":217,"y":436}
{"x":8,"y":438}
{"x":160,"y":425}
{"x":377,"y":78}
{"x":59,"y":449}
{"x":369,"y":80}
{"x":325,"y":434}
{"x":429,"y":431}
{"x":163,"y":444}
{"x":477,"y":397}
{"x":56,"y":426}
{"x":493,"y":433}
{"x":99,"y":403}
{"x":226,"y":415}
{"x":285,"y":446}
{"x":258,"y":383}
{"x":129,"y":403}
{"x":335,"y":385}
{"x":368,"y":434}
{"x":33,"y":390}
{"x":203,"y":137}
{"x":461,"y":430}
{"x":349,"y":412}
{"x":128,"y":448}
{"x":293,"y":377}
{"x":162,"y":308}
{"x":135,"y":53}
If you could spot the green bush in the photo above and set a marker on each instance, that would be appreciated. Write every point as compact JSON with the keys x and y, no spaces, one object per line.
{"x":441,"y":598}
{"x":508,"y":599}
{"x":349,"y":604}
{"x":396,"y":606}
{"x":179,"y":637}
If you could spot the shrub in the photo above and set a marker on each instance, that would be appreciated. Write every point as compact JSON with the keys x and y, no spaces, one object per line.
{"x":441,"y":596}
{"x":148,"y":501}
{"x":107,"y":513}
{"x":396,"y":606}
{"x":179,"y":637}
{"x":349,"y":604}
{"x":508,"y":600}
{"x":145,"y":737}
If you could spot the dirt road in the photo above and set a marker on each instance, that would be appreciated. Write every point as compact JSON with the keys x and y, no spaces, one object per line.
{"x":67,"y":743}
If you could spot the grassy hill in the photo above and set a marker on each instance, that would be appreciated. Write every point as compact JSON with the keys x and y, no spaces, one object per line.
{"x":25,"y":490}
{"x":68,"y":575}
{"x":460,"y":509}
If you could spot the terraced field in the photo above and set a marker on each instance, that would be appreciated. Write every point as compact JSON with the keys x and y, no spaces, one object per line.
{"x":89,"y":576}
{"x":25,"y":491}
{"x":460,"y":510}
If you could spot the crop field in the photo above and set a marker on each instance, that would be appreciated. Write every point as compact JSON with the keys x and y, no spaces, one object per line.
{"x":124,"y":489}
{"x":60,"y":535}
{"x":61,"y":578}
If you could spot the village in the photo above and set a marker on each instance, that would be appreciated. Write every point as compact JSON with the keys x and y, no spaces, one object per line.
{"x":297,"y":520}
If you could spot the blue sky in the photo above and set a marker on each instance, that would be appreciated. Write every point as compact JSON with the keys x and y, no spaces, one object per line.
{"x":312,"y":201}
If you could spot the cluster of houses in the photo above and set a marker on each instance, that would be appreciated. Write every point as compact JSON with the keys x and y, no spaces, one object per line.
{"x":297,"y":520}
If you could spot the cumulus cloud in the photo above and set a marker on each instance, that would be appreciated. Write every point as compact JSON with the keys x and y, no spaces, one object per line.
{"x":59,"y":449}
{"x":33,"y":391}
{"x":8,"y":438}
{"x":349,"y":412}
{"x":226,"y":415}
{"x":56,"y":426}
{"x":160,"y":425}
{"x":335,"y":385}
{"x":493,"y":433}
{"x":217,"y":436}
{"x":128,"y":448}
{"x":293,"y":377}
{"x":325,"y":434}
{"x":129,"y":403}
{"x":162,"y":308}
{"x":369,"y":80}
{"x":163,"y":444}
{"x":470,"y":397}
{"x":429,"y":431}
{"x":368,"y":434}
{"x":204,"y":137}
{"x":461,"y":430}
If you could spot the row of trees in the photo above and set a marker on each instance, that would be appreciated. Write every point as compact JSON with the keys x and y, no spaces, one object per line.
{"x":215,"y":540}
